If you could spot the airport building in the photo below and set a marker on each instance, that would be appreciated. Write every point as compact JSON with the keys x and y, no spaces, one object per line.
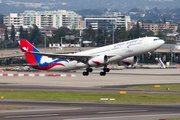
{"x":156,"y":27}
{"x":43,"y":19}
{"x":108,"y":22}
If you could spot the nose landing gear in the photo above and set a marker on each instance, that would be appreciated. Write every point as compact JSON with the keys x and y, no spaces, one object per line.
{"x":149,"y":57}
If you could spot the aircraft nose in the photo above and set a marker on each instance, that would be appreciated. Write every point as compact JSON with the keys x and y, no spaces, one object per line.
{"x":162,"y":42}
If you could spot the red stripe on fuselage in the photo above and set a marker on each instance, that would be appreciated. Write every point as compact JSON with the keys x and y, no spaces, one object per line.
{"x":127,"y":63}
{"x":50,"y":66}
{"x":96,"y":62}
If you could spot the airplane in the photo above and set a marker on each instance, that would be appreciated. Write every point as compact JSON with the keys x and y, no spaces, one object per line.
{"x":98,"y":57}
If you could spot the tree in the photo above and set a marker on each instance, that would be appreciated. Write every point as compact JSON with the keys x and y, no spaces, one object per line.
{"x":164,"y":20}
{"x":61,"y":32}
{"x":137,"y":35}
{"x":134,"y":10}
{"x":161,"y":35}
{"x":6,"y":34}
{"x":35,"y":36}
{"x":21,"y":31}
{"x":26,"y":34}
{"x":89,"y":33}
{"x":12,"y":33}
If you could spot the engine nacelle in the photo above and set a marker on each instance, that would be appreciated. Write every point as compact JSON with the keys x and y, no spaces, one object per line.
{"x":98,"y":60}
{"x":129,"y":61}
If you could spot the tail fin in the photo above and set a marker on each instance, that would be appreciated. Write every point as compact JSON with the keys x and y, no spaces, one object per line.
{"x":26,"y":46}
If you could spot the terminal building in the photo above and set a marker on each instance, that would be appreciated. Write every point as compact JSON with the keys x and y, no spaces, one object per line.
{"x":43,"y":19}
{"x":108,"y":22}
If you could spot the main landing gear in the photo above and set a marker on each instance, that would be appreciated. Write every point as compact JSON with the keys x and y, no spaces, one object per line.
{"x":105,"y":69}
{"x":87,"y":71}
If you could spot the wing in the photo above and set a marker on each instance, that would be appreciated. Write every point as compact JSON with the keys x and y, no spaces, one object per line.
{"x":80,"y":58}
{"x":77,"y":57}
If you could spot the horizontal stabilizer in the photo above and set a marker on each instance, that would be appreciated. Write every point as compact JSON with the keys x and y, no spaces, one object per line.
{"x":35,"y":65}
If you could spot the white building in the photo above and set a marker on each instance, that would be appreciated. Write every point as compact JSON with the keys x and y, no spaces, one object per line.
{"x":43,"y":19}
{"x":13,"y":19}
{"x":108,"y":22}
{"x":54,"y":19}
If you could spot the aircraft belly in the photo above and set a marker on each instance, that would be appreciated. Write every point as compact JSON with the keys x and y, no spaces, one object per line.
{"x":66,"y":66}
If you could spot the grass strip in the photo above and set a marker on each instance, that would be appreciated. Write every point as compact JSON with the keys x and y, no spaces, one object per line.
{"x":170,"y":119}
{"x":172,"y":87}
{"x":15,"y":108}
{"x":89,"y":97}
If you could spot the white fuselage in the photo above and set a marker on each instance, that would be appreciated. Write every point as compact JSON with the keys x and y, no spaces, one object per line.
{"x":119,"y":51}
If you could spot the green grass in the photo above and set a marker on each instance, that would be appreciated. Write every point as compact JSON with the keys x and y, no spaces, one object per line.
{"x":171,"y":119}
{"x":173,"y":87}
{"x":89,"y":97}
{"x":13,"y":108}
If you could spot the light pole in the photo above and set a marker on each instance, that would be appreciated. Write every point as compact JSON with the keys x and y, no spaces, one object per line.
{"x":113,"y":33}
{"x":45,"y":41}
{"x":80,"y":41}
{"x":45,"y":35}
{"x":171,"y":50}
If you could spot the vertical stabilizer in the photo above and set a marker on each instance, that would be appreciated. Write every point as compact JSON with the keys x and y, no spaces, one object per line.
{"x":26,"y":46}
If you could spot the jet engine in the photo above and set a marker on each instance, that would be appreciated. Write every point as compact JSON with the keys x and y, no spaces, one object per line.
{"x":128,"y":61}
{"x":98,"y":60}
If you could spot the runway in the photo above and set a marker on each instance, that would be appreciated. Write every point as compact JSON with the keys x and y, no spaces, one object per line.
{"x":73,"y":111}
{"x":113,"y":82}
{"x":104,"y":89}
{"x":113,"y":78}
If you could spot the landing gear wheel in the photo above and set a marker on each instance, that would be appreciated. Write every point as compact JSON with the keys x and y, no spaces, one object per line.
{"x":106,"y":69}
{"x":149,"y":57}
{"x":85,"y":73}
{"x":102,"y":73}
{"x":89,"y":69}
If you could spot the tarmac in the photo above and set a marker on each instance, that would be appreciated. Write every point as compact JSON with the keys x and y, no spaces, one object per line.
{"x":113,"y":82}
{"x":113,"y":78}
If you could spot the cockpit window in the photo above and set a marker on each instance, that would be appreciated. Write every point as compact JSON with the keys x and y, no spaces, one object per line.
{"x":156,"y":39}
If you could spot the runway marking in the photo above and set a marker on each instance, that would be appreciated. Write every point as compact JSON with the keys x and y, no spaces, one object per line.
{"x":27,"y":116}
{"x":141,"y":117}
{"x":122,"y":111}
{"x":36,"y":75}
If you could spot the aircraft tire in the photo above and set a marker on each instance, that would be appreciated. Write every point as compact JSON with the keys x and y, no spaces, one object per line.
{"x":85,"y":73}
{"x":102,"y":73}
{"x":90,"y":69}
{"x":106,"y":69}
